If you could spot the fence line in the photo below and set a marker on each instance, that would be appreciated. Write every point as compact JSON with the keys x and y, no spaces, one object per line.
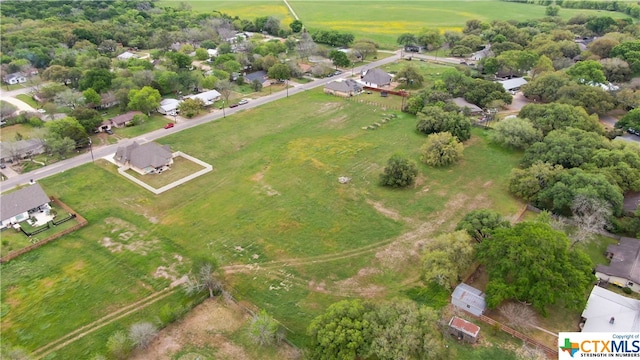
{"x":82,"y":223}
{"x":551,"y":353}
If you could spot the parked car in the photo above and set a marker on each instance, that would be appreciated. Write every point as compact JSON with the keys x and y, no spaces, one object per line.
{"x":3,"y":166}
{"x":109,"y":131}
{"x":41,"y":111}
{"x":169,"y":126}
{"x":633,"y":131}
{"x":243,"y":101}
{"x":233,"y":105}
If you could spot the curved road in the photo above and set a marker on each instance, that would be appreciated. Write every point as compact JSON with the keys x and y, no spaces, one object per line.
{"x":157,"y":134}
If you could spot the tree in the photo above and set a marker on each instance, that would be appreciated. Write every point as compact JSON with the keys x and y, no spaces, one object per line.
{"x":430,"y":38}
{"x":569,"y":147}
{"x":191,"y":107}
{"x":590,"y":216}
{"x":145,"y":100}
{"x":365,"y":48}
{"x":209,"y":82}
{"x":628,"y":98}
{"x":403,"y":330}
{"x":201,"y":54}
{"x":447,"y":258}
{"x":481,"y":223}
{"x":90,"y":119}
{"x":339,"y":58}
{"x":68,"y":127}
{"x":441,"y":149}
{"x":224,"y":87}
{"x":543,"y":65}
{"x":7,"y":109}
{"x":204,"y":279}
{"x":264,"y":330}
{"x":531,"y":262}
{"x":296,"y":26}
{"x":552,"y":10}
{"x":482,"y":92}
{"x":91,"y":97}
{"x":142,"y":333}
{"x":339,"y":333}
{"x":406,"y":39}
{"x":602,"y":46}
{"x":515,"y":133}
{"x":69,"y":98}
{"x":527,"y":183}
{"x":60,"y":146}
{"x":279,"y":72}
{"x":556,"y":116}
{"x":629,"y":120}
{"x":433,"y":119}
{"x":587,"y":72}
{"x":399,"y":172}
{"x":97,"y":79}
{"x":616,"y":70}
{"x":601,"y":25}
{"x":518,"y":315}
{"x":545,"y":86}
{"x":591,"y":98}
{"x":410,"y":76}
{"x":118,"y":345}
{"x":180,"y":60}
{"x":306,"y":46}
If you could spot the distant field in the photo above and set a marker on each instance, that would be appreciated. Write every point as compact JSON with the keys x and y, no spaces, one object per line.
{"x":383,"y":21}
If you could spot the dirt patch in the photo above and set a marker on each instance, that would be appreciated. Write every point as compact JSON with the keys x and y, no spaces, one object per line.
{"x":208,"y":325}
{"x":326,"y":107}
{"x":336,"y":122}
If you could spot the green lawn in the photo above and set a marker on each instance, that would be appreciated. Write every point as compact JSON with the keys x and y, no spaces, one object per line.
{"x":29,"y":100}
{"x":154,"y":122}
{"x":243,"y":9}
{"x":274,"y":196}
{"x":8,"y":133}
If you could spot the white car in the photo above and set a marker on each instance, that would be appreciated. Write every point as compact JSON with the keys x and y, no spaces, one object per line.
{"x":41,"y":111}
{"x":243,"y":101}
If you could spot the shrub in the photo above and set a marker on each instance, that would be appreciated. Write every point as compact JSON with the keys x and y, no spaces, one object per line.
{"x":627,"y":290}
{"x":141,"y":334}
{"x":441,"y":149}
{"x":400,"y":172}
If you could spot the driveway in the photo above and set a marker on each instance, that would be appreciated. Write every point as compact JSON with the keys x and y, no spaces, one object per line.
{"x":21,"y":105}
{"x":519,"y":101}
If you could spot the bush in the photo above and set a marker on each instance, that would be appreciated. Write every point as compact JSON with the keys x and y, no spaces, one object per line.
{"x":118,"y":345}
{"x":627,"y":290}
{"x":400,"y":172}
{"x":441,"y":149}
{"x":141,"y":334}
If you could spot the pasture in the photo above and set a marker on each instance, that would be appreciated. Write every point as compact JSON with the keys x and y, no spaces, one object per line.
{"x":289,"y":237}
{"x":383,"y":21}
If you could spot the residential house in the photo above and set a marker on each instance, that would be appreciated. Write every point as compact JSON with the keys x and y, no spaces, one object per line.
{"x":126,"y":56}
{"x":22,"y":149}
{"x":607,"y":311}
{"x":469,"y":299}
{"x":257,"y":75}
{"x":479,"y":55}
{"x":108,"y":100}
{"x":149,"y":158}
{"x":207,"y":97}
{"x":513,"y":85}
{"x":121,"y":121}
{"x":462,"y":103}
{"x":376,"y":78}
{"x":624,"y":267}
{"x":344,"y":88}
{"x":169,"y":106}
{"x":212,"y":52}
{"x":17,"y":206}
{"x":15,"y":78}
{"x":464,"y":330}
{"x":238,"y":36}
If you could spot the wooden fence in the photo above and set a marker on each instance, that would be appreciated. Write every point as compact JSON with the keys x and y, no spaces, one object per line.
{"x":551,"y":353}
{"x":81,"y":223}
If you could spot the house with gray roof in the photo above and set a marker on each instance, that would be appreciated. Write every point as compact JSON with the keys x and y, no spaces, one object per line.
{"x":20,"y":149}
{"x":469,"y":299}
{"x":607,"y":311}
{"x":376,"y":78}
{"x":17,"y":206}
{"x":462,"y":103}
{"x":624,"y":267}
{"x":513,"y":84}
{"x":121,"y":121}
{"x":261,"y":76}
{"x":126,"y":56}
{"x":149,"y":158}
{"x":15,"y":78}
{"x":344,"y":88}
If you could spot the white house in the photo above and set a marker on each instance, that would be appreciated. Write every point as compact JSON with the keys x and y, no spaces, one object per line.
{"x":513,"y":84}
{"x":607,"y":311}
{"x":15,"y":78}
{"x":169,"y":106}
{"x":208,"y":97}
{"x":18,"y":205}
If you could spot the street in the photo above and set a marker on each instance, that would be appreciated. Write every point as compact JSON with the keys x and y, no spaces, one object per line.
{"x":99,"y":152}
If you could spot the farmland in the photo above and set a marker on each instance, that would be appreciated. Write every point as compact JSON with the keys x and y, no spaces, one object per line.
{"x":274,"y":201}
{"x":383,"y":21}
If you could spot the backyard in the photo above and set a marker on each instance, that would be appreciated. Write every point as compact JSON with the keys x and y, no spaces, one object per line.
{"x":180,"y":168}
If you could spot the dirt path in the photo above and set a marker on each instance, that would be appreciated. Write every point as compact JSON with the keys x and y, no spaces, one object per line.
{"x":106,"y":320}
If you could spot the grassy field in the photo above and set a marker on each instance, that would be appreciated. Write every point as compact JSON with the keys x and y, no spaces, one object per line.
{"x":383,"y":21}
{"x":29,"y":100}
{"x":8,"y":133}
{"x":180,"y":168}
{"x":154,"y":122}
{"x":274,"y":200}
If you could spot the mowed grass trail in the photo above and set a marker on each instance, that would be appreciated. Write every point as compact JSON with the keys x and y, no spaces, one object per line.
{"x":274,"y":195}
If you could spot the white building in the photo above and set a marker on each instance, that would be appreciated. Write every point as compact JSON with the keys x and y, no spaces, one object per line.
{"x":17,"y":206}
{"x":607,"y":311}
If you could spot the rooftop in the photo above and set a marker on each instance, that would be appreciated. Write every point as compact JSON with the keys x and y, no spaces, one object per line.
{"x":464,"y":326}
{"x":22,"y":200}
{"x":603,"y":305}
{"x":625,"y":262}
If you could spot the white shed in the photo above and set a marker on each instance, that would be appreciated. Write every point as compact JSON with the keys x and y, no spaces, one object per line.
{"x":469,"y":299}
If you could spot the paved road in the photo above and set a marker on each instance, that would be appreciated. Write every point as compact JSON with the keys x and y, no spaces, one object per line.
{"x":19,"y":104}
{"x":61,"y":166}
{"x":609,"y":122}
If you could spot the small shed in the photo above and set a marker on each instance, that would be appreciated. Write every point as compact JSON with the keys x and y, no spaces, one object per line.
{"x":469,"y":299}
{"x":464,"y":330}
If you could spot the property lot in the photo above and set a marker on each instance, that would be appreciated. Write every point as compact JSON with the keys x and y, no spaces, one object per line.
{"x":274,"y":200}
{"x":180,"y":168}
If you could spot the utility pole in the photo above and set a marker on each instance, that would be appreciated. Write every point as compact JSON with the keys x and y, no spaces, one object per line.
{"x":91,"y":150}
{"x":286,"y":84}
